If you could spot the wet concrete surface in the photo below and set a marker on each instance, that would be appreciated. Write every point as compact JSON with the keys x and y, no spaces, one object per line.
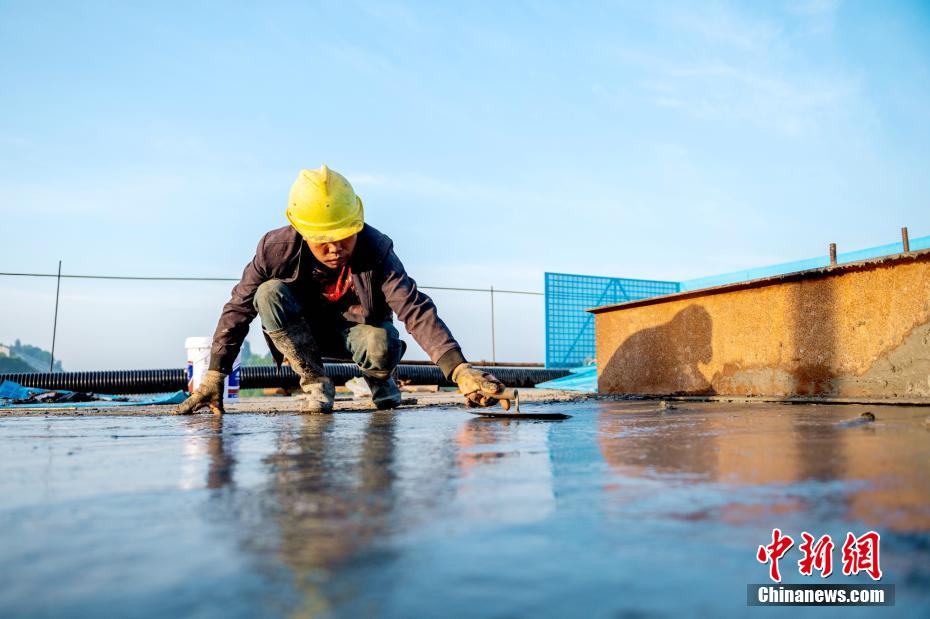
{"x":278,"y":405}
{"x":626,"y":509}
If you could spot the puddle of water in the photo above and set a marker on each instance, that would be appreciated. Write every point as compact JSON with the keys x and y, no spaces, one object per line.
{"x":623,"y":509}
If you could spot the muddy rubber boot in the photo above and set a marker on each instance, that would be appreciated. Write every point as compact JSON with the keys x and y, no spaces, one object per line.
{"x":384,"y":392}
{"x":318,"y":396}
{"x":297,"y":345}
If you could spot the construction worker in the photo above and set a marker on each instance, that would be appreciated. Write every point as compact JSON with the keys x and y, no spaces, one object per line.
{"x":328,"y":284}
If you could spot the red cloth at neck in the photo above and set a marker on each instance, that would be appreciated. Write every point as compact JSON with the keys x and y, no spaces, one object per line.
{"x":334,"y":291}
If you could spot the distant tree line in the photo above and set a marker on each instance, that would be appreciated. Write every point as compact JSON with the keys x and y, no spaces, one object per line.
{"x":26,"y":358}
{"x":250,"y":358}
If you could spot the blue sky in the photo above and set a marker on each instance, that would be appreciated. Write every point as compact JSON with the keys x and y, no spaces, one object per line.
{"x":492,"y":141}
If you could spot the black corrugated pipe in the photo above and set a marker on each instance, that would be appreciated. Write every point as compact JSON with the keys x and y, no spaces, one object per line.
{"x":254,"y":377}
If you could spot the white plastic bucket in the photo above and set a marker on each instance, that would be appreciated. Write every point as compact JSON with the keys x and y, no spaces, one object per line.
{"x":198,"y":362}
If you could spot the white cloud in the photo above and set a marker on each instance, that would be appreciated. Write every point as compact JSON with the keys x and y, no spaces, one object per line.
{"x":727,"y":66}
{"x":421,"y":185}
{"x":792,"y":105}
{"x":717,"y":23}
{"x":817,"y":8}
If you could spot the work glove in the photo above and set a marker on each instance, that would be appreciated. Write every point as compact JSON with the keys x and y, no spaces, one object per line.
{"x":209,"y":393}
{"x":478,"y":386}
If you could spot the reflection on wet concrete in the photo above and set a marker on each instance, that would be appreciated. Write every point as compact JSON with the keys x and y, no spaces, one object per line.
{"x":434,"y":512}
{"x":328,"y":501}
{"x":884,"y":462}
{"x":493,"y":451}
{"x":205,"y":438}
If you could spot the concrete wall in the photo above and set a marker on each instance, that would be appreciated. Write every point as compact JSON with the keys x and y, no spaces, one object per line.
{"x":857,"y":330}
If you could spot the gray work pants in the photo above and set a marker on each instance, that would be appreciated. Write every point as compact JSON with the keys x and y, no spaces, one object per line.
{"x":375,"y":349}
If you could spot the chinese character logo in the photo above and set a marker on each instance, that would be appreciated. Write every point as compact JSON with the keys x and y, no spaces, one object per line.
{"x":860,"y":554}
{"x":773,"y":552}
{"x":817,"y":556}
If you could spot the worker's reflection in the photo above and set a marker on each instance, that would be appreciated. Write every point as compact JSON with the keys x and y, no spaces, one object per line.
{"x":204,"y":436}
{"x":221,"y":463}
{"x":332,"y":491}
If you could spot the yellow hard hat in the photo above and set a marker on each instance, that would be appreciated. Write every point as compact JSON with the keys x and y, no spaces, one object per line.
{"x":323,"y":206}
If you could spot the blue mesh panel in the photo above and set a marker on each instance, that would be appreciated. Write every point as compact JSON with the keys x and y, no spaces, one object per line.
{"x":569,"y":328}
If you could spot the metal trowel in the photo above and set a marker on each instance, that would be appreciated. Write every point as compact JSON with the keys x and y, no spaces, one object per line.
{"x":513,"y":396}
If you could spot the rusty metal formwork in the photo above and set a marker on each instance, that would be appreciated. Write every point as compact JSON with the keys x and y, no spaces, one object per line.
{"x":856,"y":330}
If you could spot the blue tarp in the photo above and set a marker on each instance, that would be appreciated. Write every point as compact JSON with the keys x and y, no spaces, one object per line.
{"x":580,"y":379}
{"x":11,"y":391}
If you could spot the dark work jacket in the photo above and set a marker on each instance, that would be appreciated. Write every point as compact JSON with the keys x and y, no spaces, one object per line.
{"x":379,"y":279}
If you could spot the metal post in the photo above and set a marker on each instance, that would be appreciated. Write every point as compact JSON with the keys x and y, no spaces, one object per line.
{"x":905,"y":240}
{"x":832,"y":254}
{"x":493,"y":345}
{"x":51,"y":365}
